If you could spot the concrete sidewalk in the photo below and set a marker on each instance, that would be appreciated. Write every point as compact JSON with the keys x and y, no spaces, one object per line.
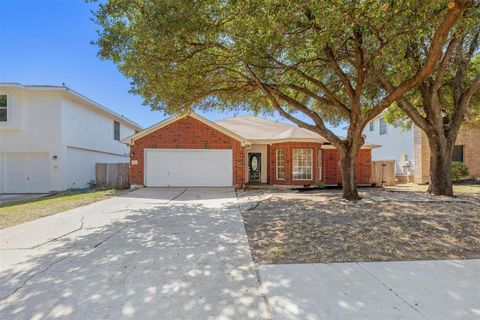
{"x":433,"y":290}
{"x":163,"y":253}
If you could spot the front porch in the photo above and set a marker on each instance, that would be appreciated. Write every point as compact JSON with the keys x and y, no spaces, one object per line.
{"x":298,"y":163}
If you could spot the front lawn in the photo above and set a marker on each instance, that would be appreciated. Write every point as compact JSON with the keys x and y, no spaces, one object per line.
{"x":385,"y":226}
{"x":18,"y":212}
{"x":458,"y":189}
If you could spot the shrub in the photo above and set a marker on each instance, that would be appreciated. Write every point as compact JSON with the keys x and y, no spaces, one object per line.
{"x":459,"y":170}
{"x":321,"y":185}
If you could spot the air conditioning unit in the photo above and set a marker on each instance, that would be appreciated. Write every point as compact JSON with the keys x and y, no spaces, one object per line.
{"x":404,"y":160}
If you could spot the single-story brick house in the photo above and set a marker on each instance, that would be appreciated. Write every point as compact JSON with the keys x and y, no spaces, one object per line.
{"x":190,"y":150}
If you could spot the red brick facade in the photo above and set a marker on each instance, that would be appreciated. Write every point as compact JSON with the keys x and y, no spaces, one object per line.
{"x":331,"y":173}
{"x":331,"y":169}
{"x":190,"y":133}
{"x":187,"y":133}
{"x":288,"y":149}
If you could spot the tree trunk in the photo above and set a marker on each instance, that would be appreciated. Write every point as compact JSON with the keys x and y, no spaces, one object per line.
{"x":349,"y":185}
{"x":440,"y":167}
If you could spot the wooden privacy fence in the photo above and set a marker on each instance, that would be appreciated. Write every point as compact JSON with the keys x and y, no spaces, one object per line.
{"x":112,"y":175}
{"x":383,"y":172}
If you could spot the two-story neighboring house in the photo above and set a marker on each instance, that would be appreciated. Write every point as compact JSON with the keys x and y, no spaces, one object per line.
{"x":396,"y":144}
{"x":410,"y":150}
{"x":51,"y":137}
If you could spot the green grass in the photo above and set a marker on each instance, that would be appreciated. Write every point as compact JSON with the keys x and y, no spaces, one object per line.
{"x":458,"y":188}
{"x":14,"y":213}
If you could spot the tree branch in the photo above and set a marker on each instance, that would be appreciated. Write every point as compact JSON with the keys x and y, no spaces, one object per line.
{"x":324,"y":131}
{"x":329,"y":94}
{"x":437,"y":82}
{"x":434,"y":53}
{"x":359,"y":63}
{"x":275,"y":102}
{"x":341,"y":108}
{"x":320,"y":126}
{"x":338,"y":70}
{"x":406,"y":105}
{"x":464,"y":101}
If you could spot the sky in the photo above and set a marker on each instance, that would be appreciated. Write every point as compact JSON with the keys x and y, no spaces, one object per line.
{"x":49,"y":42}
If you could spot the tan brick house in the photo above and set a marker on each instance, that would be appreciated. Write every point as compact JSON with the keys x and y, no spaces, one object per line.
{"x":190,"y":150}
{"x":411,"y":153}
{"x":466,"y":150}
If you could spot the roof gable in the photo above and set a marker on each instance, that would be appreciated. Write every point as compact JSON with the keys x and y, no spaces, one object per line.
{"x":131,"y":139}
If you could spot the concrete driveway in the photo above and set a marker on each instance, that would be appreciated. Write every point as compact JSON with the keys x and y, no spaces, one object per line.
{"x":161,"y":253}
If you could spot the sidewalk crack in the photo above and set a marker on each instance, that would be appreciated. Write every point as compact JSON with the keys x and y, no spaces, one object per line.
{"x":51,"y":240}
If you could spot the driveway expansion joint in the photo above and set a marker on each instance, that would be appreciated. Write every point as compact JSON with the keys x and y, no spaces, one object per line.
{"x":257,"y":271}
{"x":391,"y":290}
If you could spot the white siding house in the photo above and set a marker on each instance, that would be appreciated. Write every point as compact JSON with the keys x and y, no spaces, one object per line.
{"x":396,"y":144}
{"x":51,"y":137}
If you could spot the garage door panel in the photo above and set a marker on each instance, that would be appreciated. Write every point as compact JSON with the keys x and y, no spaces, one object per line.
{"x":183,"y":167}
{"x":25,"y":173}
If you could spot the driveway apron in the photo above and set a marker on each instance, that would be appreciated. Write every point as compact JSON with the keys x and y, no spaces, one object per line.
{"x":155,"y":253}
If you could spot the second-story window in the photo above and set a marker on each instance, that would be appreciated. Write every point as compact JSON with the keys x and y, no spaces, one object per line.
{"x":383,"y":126}
{"x":371,"y":125}
{"x":3,"y":108}
{"x":116,"y":130}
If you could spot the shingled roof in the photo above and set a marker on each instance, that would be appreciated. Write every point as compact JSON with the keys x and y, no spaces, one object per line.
{"x":258,"y":129}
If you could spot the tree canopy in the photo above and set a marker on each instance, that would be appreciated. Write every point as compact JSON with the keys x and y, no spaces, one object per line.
{"x":456,"y":75}
{"x":316,"y":58}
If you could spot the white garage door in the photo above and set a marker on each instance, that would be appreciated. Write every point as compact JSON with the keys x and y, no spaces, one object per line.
{"x":184,"y":168}
{"x":25,"y":173}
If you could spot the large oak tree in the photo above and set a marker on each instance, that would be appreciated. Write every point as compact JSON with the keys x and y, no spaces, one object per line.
{"x":312,"y":58}
{"x":446,"y":99}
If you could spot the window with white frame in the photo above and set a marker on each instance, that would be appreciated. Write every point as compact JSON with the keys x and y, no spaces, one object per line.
{"x":302,"y":164}
{"x":3,"y":108}
{"x":280,"y":161}
{"x":372,"y":126}
{"x":383,"y":126}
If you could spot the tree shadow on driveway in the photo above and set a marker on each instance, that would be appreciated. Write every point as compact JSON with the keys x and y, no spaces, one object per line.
{"x":171,"y":260}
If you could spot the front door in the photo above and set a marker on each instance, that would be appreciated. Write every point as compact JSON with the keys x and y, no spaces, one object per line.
{"x":254,"y":167}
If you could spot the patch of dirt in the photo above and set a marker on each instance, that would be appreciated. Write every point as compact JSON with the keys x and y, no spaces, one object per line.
{"x":323,"y":228}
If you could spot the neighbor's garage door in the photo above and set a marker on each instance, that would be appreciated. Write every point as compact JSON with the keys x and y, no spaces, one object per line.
{"x":25,"y":173}
{"x":192,"y":167}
